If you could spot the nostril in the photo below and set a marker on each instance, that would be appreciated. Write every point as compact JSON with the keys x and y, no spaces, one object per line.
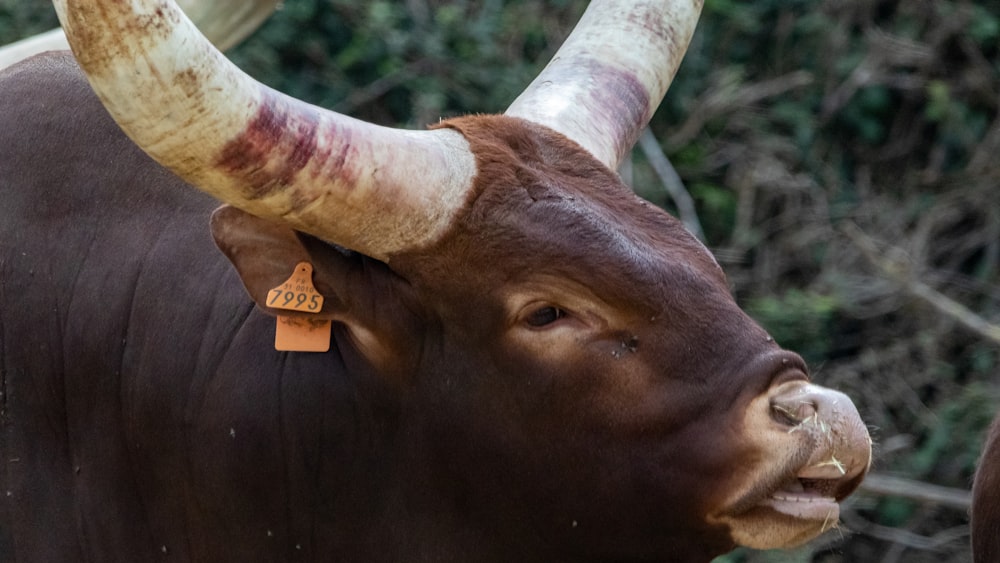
{"x":794,"y":412}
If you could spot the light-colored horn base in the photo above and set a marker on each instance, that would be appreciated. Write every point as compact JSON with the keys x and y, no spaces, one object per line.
{"x":607,"y":79}
{"x":368,"y":188}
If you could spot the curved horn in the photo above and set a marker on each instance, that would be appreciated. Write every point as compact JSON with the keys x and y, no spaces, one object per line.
{"x":369,"y":188}
{"x":603,"y":85}
{"x":224,"y":22}
{"x":228,"y":22}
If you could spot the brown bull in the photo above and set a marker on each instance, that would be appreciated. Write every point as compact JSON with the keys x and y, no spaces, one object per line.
{"x":986,"y":501}
{"x":529,"y":362}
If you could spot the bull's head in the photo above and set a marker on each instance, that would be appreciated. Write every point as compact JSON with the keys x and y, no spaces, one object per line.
{"x":566,"y":357}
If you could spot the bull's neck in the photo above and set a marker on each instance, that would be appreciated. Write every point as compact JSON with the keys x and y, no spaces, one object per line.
{"x":423,"y":517}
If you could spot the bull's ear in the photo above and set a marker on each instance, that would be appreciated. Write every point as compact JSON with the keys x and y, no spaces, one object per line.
{"x":263,"y":252}
{"x":362,"y":294}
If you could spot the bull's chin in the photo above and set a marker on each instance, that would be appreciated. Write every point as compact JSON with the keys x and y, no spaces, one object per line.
{"x":790,"y":515}
{"x":784,"y":520}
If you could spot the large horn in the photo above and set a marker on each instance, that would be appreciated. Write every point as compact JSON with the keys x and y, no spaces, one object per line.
{"x":602,"y":86}
{"x":372,"y":189}
{"x":224,"y":22}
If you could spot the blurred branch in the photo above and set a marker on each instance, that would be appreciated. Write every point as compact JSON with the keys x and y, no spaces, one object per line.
{"x":885,"y":54}
{"x":908,"y":538}
{"x":890,"y":485}
{"x":905,"y":537}
{"x":900,"y":272}
{"x":929,"y":495}
{"x":982,"y":159}
{"x":671,"y":182}
{"x":732,"y":95}
{"x":381,"y":86}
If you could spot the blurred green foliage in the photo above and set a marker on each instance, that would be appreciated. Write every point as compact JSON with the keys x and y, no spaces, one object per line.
{"x":789,"y":120}
{"x":20,"y":19}
{"x":407,"y":65}
{"x":800,"y":320}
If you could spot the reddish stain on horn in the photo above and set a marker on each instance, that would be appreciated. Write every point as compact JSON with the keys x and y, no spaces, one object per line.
{"x":621,"y":104}
{"x":276,"y":145}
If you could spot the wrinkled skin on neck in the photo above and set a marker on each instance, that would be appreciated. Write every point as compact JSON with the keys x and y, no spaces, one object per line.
{"x":616,"y":427}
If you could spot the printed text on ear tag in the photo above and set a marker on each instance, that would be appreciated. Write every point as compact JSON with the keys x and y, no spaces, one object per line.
{"x":297,"y":293}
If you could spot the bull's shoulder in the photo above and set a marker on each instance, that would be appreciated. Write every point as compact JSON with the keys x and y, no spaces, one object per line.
{"x":47,"y":98}
{"x":62,"y":154}
{"x":48,"y":64}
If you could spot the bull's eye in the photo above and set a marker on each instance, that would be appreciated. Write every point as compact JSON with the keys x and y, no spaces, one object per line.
{"x":545,"y":316}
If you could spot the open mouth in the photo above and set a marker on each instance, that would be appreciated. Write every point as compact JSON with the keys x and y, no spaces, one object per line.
{"x":806,"y":499}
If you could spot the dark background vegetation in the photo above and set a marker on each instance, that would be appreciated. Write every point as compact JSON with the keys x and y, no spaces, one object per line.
{"x":843,"y":158}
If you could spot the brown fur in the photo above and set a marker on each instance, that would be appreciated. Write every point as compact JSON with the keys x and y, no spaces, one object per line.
{"x":150,"y":416}
{"x":986,"y":501}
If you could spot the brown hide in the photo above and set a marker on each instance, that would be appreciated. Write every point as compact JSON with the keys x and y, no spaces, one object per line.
{"x":986,"y":501}
{"x":582,"y":432}
{"x":562,"y":377}
{"x":585,"y":326}
{"x":608,"y":405}
{"x":627,"y":403}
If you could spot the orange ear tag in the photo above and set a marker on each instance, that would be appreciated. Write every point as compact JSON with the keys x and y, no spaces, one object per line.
{"x":299,"y":334}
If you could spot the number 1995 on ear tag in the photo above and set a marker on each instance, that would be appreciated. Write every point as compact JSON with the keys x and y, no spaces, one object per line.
{"x":299,"y":334}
